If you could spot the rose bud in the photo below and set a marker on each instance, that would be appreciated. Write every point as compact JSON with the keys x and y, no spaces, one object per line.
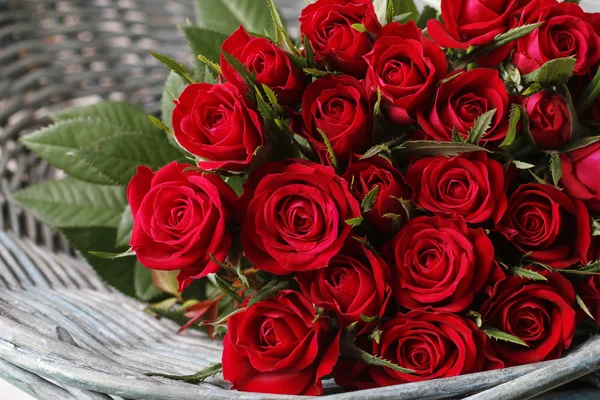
{"x":549,"y":119}
{"x":217,"y":124}
{"x":340,"y":107}
{"x":293,"y":216}
{"x":461,"y":100}
{"x":470,"y":186}
{"x":565,"y":33}
{"x":589,"y":291}
{"x":541,"y":314}
{"x":279,"y":346}
{"x":354,"y":285}
{"x":269,"y":63}
{"x":581,"y":168}
{"x":440,"y":263}
{"x":406,"y":67}
{"x":431,"y":343}
{"x":180,"y":218}
{"x":548,"y":225}
{"x":327,"y":24}
{"x":363,"y":177}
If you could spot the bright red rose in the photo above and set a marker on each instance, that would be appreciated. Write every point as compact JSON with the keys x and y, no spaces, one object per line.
{"x":279,"y":346}
{"x":545,"y":223}
{"x":581,"y":168}
{"x":549,"y":119}
{"x":440,"y":263}
{"x":354,"y":284}
{"x":340,"y":107}
{"x":461,"y":100}
{"x":293,"y":216}
{"x":180,"y":218}
{"x":327,"y":24}
{"x":217,"y":124}
{"x":589,"y":291}
{"x":565,"y":33}
{"x":470,"y":186}
{"x":364,"y":176}
{"x":540,"y":314}
{"x":432,"y":344}
{"x":269,"y":63}
{"x":406,"y":67}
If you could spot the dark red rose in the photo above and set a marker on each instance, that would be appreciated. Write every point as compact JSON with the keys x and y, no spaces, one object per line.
{"x":549,"y":119}
{"x":354,"y":284}
{"x":327,"y":24}
{"x":406,"y":67}
{"x":364,"y":176}
{"x":581,"y":169}
{"x":470,"y":186}
{"x":565,"y":33}
{"x":440,"y":263}
{"x":548,"y":225}
{"x":279,"y":346}
{"x":433,"y":344}
{"x":594,"y":20}
{"x":461,"y":100}
{"x":589,"y":291}
{"x":340,"y":107}
{"x":540,"y":314}
{"x":269,"y":63}
{"x":293,"y":216}
{"x":217,"y":124}
{"x":180,"y":219}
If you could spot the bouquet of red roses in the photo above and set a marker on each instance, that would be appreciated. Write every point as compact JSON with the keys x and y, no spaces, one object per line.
{"x":396,"y":197}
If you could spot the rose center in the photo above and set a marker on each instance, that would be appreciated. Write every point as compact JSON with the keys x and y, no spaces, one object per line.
{"x":268,"y":336}
{"x":564,"y":41}
{"x":338,"y":276}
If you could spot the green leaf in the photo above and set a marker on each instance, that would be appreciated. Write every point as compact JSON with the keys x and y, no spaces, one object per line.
{"x":198,"y":377}
{"x":370,"y":199}
{"x":226,"y":16}
{"x":368,"y":319}
{"x":481,"y":126}
{"x":404,"y":18}
{"x":532,"y":89}
{"x":555,"y":168}
{"x":527,"y":273}
{"x":73,"y":203}
{"x":112,"y":256}
{"x":390,"y":12}
{"x":212,"y":65}
{"x":514,"y":34}
{"x":125,"y":228}
{"x":376,"y":336}
{"x":427,"y":14}
{"x":584,"y":307}
{"x":589,"y":94}
{"x":355,"y":221}
{"x":272,"y":97}
{"x":497,"y":334}
{"x":593,"y":266}
{"x":204,"y":41}
{"x":359,"y":28}
{"x":224,"y":286}
{"x":386,"y":10}
{"x":174,"y":85}
{"x":457,"y":137}
{"x":373,"y":151}
{"x":247,"y":76}
{"x":316,"y":72}
{"x":553,"y":72}
{"x":309,"y":52}
{"x":330,"y":152}
{"x":144,"y":287}
{"x":431,"y":148}
{"x":515,"y":117}
{"x":381,"y":362}
{"x":579,"y":143}
{"x":278,"y":22}
{"x":271,"y":289}
{"x":522,"y":164}
{"x":161,"y":125}
{"x":173,"y":66}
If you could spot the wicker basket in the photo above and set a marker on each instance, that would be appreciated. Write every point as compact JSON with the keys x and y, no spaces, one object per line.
{"x":63,"y":333}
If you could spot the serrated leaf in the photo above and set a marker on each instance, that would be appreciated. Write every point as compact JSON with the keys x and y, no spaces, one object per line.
{"x":144,"y":287}
{"x":224,"y":286}
{"x":532,"y":89}
{"x":553,"y":72}
{"x":174,"y":85}
{"x":73,"y":203}
{"x":381,"y":362}
{"x":355,"y":221}
{"x":515,"y":33}
{"x":555,"y":168}
{"x":230,"y":268}
{"x":589,"y":94}
{"x":537,"y":178}
{"x":390,"y":12}
{"x":527,"y":273}
{"x":457,"y":137}
{"x":370,"y":199}
{"x":316,"y":72}
{"x":173,"y":65}
{"x":431,"y":148}
{"x":278,"y":24}
{"x":272,"y":97}
{"x":309,"y":52}
{"x":124,"y":228}
{"x":212,"y":65}
{"x":584,"y":307}
{"x":160,"y":125}
{"x":112,"y":256}
{"x":225,"y":16}
{"x":198,"y":377}
{"x":579,"y":143}
{"x":204,"y":42}
{"x":482,"y":124}
{"x":514,"y":118}
{"x":494,"y":333}
{"x":373,"y":151}
{"x":330,"y":152}
{"x":271,"y":289}
{"x":248,"y":78}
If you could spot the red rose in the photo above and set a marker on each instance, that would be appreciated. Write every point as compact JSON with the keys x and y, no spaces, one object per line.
{"x":589,"y":291}
{"x":340,"y":107}
{"x":180,"y":219}
{"x":327,"y":24}
{"x":279,"y":346}
{"x":440,"y":263}
{"x":470,"y":186}
{"x":549,"y":119}
{"x":474,"y":23}
{"x":548,"y":225}
{"x":432,"y":344}
{"x":565,"y":33}
{"x":269,"y":63}
{"x":581,"y":168}
{"x":217,"y":124}
{"x":540,"y":314}
{"x":594,"y":20}
{"x":353,"y":285}
{"x":461,"y":100}
{"x":407,"y":68}
{"x":364,"y":176}
{"x":293,"y":216}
